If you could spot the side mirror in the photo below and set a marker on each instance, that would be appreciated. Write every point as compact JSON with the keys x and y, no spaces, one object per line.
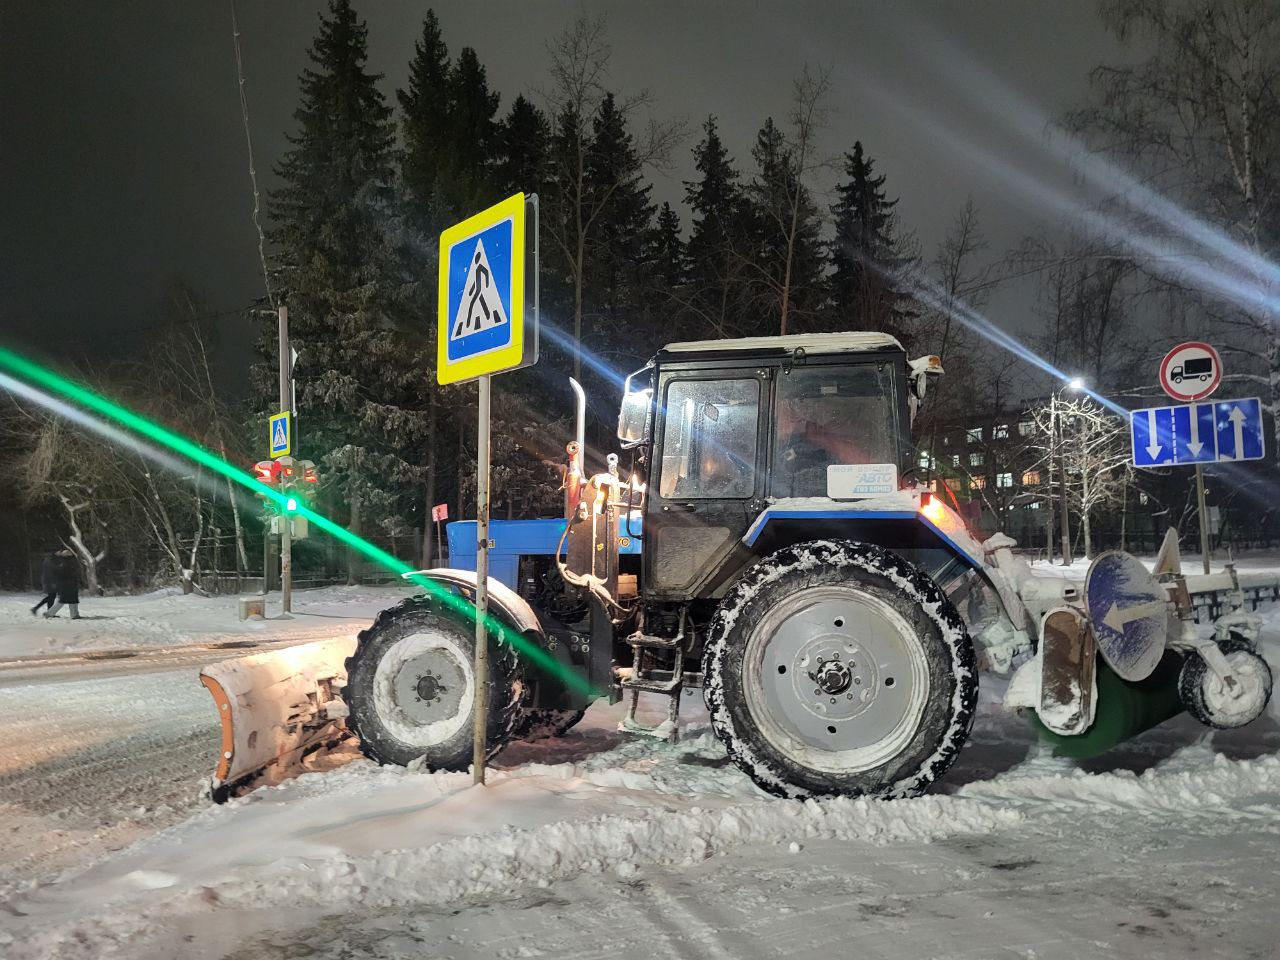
{"x":635,"y":418}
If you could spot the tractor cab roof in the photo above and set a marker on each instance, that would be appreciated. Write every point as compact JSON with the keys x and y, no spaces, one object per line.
{"x":812,"y":344}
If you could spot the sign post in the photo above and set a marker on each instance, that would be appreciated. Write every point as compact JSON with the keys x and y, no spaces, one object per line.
{"x":1196,"y":433}
{"x":482,"y":330}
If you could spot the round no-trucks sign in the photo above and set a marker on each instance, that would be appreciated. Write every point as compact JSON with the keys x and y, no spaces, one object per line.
{"x":1190,"y":371}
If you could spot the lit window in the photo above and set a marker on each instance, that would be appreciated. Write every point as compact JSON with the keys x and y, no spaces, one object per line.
{"x":1033,"y":505}
{"x":973,"y":435}
{"x":975,"y":459}
{"x":977,"y":483}
{"x":1004,"y":480}
{"x":924,"y":461}
{"x":1000,"y":431}
{"x":955,"y":459}
{"x":1031,"y":478}
{"x":1026,"y":428}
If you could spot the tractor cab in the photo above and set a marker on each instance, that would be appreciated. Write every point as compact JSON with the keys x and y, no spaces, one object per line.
{"x":729,"y":429}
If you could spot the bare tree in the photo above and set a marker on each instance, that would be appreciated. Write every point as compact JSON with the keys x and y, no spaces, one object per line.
{"x":1086,"y":448}
{"x":1196,"y":123}
{"x":784,"y":200}
{"x":579,"y":78}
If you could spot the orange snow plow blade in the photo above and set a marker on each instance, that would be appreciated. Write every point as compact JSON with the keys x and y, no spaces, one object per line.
{"x":275,"y":706}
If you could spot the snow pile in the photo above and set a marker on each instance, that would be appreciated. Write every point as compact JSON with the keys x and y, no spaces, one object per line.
{"x":372,"y":837}
{"x":169,"y":618}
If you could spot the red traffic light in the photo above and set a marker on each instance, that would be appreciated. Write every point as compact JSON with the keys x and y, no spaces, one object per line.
{"x":310,"y":476}
{"x":265,"y":471}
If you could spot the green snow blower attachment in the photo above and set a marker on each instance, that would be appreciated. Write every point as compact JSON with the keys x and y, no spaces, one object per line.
{"x":1125,"y":709}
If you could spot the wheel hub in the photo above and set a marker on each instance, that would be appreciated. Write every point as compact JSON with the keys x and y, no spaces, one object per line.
{"x":428,"y":688}
{"x":832,"y":676}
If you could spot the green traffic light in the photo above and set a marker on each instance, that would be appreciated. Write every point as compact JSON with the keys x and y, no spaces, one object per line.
{"x":291,"y":505}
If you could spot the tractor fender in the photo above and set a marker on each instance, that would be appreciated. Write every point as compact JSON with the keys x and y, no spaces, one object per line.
{"x":504,"y":603}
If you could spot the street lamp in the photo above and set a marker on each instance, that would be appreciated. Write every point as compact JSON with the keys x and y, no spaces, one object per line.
{"x":1075,"y":384}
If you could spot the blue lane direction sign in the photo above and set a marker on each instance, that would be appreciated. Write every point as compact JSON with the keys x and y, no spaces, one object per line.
{"x":280,"y":435}
{"x":1239,"y":429}
{"x":1128,"y":612}
{"x":1152,"y":432}
{"x":1210,"y":432}
{"x":1193,"y":434}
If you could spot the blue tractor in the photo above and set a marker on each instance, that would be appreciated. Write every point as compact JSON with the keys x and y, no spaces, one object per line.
{"x":767,"y":543}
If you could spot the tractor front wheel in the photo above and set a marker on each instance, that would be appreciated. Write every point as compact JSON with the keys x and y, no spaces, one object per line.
{"x":411,"y":688}
{"x":836,"y":668}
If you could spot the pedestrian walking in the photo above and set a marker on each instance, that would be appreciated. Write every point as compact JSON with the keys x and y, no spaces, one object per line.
{"x":66,"y":579}
{"x":46,"y":584}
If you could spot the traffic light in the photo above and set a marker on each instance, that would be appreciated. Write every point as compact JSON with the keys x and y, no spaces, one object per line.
{"x":265,"y":471}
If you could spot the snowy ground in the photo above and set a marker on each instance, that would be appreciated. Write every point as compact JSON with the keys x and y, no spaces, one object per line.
{"x":167,"y":618}
{"x":600,"y":846}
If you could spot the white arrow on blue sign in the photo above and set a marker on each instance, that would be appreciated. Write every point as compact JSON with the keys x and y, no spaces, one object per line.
{"x":1226,"y":430}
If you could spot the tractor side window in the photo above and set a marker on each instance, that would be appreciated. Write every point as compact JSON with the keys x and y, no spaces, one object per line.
{"x":709,"y":441}
{"x":831,"y":415}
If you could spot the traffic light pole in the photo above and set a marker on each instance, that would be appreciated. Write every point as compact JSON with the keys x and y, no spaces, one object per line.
{"x":286,"y":404}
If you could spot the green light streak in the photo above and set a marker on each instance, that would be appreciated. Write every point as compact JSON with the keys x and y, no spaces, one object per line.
{"x":289,"y":504}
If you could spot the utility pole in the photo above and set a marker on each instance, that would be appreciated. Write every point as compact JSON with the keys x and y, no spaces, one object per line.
{"x":286,"y":406}
{"x":1204,"y":517}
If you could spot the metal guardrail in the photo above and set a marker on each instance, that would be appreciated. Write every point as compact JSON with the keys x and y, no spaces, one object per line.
{"x":1210,"y":604}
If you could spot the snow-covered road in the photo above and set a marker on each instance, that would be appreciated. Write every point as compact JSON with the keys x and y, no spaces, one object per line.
{"x":602,"y":846}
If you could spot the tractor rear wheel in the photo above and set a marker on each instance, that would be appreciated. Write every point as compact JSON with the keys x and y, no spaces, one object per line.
{"x":836,"y":668}
{"x":411,"y":689}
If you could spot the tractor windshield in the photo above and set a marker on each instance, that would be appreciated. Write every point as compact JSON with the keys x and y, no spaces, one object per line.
{"x":831,"y":415}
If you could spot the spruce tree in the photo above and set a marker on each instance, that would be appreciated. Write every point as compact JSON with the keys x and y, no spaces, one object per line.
{"x":866,"y":253}
{"x":424,"y":105}
{"x":344,"y":271}
{"x":522,"y":144}
{"x":467,"y":164}
{"x":713,"y":254}
{"x":666,"y":257}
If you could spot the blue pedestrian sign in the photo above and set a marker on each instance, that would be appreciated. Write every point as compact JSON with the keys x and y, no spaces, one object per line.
{"x":1212,"y":432}
{"x":280,"y":434}
{"x":481,"y":325}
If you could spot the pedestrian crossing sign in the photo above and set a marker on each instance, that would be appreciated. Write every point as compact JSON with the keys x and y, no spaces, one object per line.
{"x":481,"y":325}
{"x":280,"y":434}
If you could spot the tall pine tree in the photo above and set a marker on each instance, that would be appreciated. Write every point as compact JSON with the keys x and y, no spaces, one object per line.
{"x":424,"y":106}
{"x":342,"y":261}
{"x":717,"y":239}
{"x":866,"y":254}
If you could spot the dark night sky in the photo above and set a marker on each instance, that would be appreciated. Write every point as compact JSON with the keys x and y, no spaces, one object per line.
{"x":123,"y":164}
